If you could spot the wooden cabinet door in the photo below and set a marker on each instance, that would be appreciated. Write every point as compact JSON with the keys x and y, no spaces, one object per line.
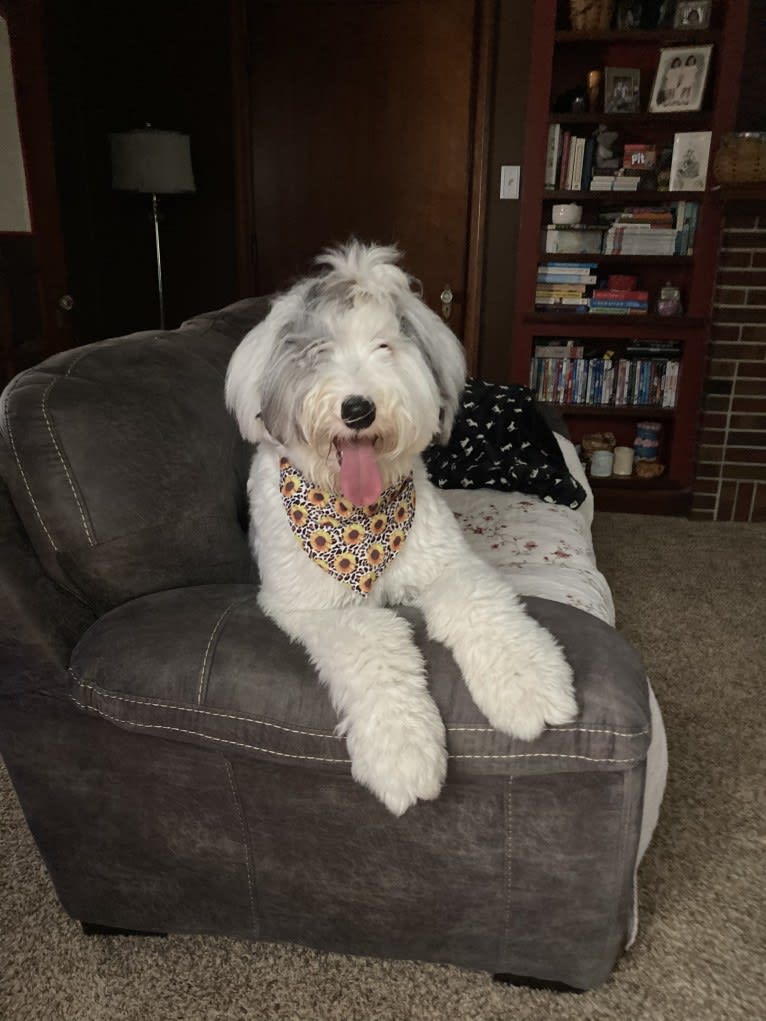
{"x":35,"y":308}
{"x":362,"y":124}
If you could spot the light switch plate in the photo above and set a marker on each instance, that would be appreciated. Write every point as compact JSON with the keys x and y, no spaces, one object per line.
{"x":509,"y":182}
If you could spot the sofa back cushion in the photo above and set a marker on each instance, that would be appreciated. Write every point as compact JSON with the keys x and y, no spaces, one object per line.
{"x":126,"y":467}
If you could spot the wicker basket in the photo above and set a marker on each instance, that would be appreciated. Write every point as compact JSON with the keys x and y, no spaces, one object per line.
{"x":741,"y":158}
{"x":591,"y":15}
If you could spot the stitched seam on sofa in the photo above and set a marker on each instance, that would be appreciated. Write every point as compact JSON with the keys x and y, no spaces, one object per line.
{"x":206,"y":737}
{"x":304,"y":733}
{"x":246,"y":846}
{"x":546,"y":755}
{"x":64,"y":464}
{"x":202,"y":712}
{"x":567,"y":730}
{"x":505,"y":953}
{"x":322,"y":758}
{"x":26,"y":483}
{"x":203,"y":675}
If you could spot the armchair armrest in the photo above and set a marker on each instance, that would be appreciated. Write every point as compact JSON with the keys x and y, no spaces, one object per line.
{"x":40,"y":622}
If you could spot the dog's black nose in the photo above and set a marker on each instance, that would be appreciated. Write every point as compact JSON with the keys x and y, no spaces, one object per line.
{"x":357,"y":412}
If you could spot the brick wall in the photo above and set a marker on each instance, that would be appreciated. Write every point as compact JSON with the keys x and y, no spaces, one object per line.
{"x":730,"y":480}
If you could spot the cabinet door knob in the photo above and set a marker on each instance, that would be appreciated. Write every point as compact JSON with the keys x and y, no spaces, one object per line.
{"x":446,"y":298}
{"x":66,"y":303}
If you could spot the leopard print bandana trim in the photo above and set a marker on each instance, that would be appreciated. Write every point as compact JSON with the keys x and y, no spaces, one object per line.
{"x":352,"y":544}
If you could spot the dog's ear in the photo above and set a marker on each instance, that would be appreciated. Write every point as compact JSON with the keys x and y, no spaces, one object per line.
{"x":243,"y":379}
{"x":442,"y":353}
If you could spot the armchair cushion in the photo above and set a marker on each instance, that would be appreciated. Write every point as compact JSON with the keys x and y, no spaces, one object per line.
{"x":204,"y":665}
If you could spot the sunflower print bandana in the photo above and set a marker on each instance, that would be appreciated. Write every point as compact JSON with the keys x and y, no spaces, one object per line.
{"x":352,"y":544}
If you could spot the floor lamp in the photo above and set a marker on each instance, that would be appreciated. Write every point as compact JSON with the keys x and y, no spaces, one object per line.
{"x":154,"y":163}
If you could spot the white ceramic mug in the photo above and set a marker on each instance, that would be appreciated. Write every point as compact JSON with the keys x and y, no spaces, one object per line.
{"x":566,"y":213}
{"x":623,"y":461}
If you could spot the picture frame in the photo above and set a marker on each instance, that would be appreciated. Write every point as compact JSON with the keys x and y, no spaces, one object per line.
{"x":680,"y":79}
{"x":628,"y":15}
{"x":691,"y":155}
{"x":621,"y":89}
{"x":693,"y":14}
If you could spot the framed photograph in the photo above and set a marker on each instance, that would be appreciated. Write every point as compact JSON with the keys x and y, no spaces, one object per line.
{"x":679,"y":83}
{"x":621,"y":89}
{"x":691,"y":152}
{"x":628,"y":14}
{"x":693,"y":14}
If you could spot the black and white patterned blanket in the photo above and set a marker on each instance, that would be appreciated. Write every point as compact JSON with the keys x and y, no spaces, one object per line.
{"x":500,"y":440}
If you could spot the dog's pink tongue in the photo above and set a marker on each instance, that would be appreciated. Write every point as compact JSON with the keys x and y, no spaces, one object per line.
{"x":360,"y":480}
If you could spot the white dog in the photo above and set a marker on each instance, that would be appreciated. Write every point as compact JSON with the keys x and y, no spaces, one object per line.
{"x":342,"y":386}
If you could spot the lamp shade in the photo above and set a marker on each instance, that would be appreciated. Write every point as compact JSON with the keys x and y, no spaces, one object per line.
{"x":153,"y":161}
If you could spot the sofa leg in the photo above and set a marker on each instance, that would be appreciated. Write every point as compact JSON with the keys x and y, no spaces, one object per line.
{"x":535,"y":983}
{"x":93,"y":929}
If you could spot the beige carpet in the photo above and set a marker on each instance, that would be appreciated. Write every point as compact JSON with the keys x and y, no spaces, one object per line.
{"x":690,"y":596}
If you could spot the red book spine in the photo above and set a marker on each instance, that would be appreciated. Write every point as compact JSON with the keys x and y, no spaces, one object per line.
{"x":621,"y":295}
{"x":564,"y":160}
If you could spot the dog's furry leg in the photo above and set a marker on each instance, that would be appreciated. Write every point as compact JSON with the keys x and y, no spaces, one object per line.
{"x":515,"y":670}
{"x":376,"y":679}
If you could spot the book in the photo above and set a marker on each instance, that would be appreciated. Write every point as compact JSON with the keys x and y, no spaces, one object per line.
{"x":587,"y":164}
{"x":621,"y":295}
{"x":564,"y":164}
{"x":575,"y":179}
{"x":552,"y":155}
{"x":570,"y":266}
{"x":618,"y":306}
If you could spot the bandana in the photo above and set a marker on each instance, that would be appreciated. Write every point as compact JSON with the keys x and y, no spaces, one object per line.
{"x":353,"y":544}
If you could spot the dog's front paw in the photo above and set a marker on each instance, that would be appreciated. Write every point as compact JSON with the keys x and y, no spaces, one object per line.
{"x":531,"y":689}
{"x":401,"y":760}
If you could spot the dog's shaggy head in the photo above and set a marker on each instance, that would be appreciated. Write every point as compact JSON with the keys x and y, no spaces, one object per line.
{"x":350,"y":374}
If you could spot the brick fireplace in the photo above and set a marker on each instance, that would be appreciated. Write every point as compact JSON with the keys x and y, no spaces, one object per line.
{"x":730,"y":482}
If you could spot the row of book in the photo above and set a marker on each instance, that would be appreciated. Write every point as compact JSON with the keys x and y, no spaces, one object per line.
{"x":653,"y":230}
{"x":569,"y":161}
{"x":643,"y":230}
{"x":565,"y":286}
{"x":572,"y":287}
{"x":645,"y":377}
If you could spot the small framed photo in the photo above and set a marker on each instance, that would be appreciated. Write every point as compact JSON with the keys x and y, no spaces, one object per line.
{"x":621,"y":89}
{"x":679,"y":83}
{"x":691,"y":152}
{"x":628,"y":14}
{"x":693,"y":14}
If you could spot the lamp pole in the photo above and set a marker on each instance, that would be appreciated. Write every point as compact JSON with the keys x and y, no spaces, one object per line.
{"x":156,"y":217}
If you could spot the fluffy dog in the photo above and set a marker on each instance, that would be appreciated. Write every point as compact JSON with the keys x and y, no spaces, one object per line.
{"x":342,"y":386}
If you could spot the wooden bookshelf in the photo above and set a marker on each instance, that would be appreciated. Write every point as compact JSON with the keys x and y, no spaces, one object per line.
{"x":561,"y":59}
{"x":637,"y":37}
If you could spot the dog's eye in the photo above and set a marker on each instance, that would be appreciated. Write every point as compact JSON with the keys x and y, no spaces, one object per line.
{"x":384,"y":347}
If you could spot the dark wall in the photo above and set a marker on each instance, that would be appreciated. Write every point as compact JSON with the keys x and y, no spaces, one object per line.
{"x":508,"y":126}
{"x":115,"y":66}
{"x":752,"y":108}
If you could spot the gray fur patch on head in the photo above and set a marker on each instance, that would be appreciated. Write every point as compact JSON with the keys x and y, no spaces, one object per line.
{"x":299,"y":349}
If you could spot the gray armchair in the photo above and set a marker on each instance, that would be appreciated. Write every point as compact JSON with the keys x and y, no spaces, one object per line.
{"x":176,"y":759}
